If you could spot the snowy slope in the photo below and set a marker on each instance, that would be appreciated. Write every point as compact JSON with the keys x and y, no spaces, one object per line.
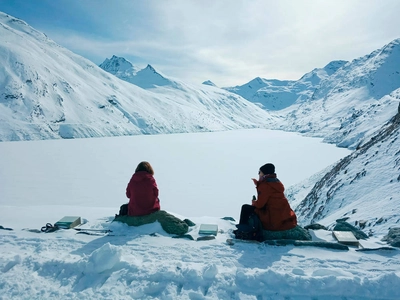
{"x":364,"y":186}
{"x":344,"y":102}
{"x":132,"y":264}
{"x":49,"y":92}
{"x":353,"y":102}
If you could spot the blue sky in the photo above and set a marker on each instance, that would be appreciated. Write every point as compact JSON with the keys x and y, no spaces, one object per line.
{"x":228,"y":42}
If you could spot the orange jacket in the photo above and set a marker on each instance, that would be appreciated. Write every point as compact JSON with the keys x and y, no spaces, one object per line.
{"x":272,"y":207}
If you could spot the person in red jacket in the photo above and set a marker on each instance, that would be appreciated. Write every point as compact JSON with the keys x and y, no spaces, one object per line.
{"x":271,"y":205}
{"x":142,"y":191}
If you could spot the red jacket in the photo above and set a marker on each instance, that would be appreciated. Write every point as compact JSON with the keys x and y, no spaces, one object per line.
{"x":272,"y":207}
{"x":142,"y":192}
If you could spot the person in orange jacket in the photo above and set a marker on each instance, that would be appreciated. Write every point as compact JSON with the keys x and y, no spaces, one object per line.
{"x":271,"y":205}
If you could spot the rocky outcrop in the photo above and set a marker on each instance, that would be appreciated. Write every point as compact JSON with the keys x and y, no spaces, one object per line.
{"x":169,"y":223}
{"x":393,"y":237}
{"x":344,"y":226}
{"x":297,"y":233}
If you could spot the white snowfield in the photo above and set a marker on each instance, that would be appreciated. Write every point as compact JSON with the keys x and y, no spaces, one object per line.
{"x":202,"y":177}
{"x":134,"y":265}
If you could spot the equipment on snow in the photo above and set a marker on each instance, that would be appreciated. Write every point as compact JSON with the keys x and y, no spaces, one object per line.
{"x":208,"y":229}
{"x":68,"y":222}
{"x":49,"y":228}
{"x":346,"y":238}
{"x":250,"y":231}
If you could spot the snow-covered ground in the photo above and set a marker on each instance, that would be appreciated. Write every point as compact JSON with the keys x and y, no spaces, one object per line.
{"x":201,"y":176}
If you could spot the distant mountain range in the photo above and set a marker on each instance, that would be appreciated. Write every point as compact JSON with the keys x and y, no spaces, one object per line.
{"x":48,"y":92}
{"x":344,"y":102}
{"x":273,"y":94}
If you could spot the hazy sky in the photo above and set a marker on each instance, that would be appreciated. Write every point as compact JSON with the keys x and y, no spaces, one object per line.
{"x":229,"y":42}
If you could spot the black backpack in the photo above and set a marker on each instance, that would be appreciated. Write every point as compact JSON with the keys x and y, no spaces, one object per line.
{"x":123,"y":210}
{"x":251,"y":231}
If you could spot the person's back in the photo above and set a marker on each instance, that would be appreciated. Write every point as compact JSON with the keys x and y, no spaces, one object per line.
{"x":142,"y":191}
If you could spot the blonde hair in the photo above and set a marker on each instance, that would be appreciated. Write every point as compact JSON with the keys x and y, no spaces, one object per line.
{"x":145,"y":166}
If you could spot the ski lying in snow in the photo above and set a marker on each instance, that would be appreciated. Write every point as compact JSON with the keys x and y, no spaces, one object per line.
{"x":190,"y":237}
{"x":89,"y":231}
{"x":319,"y":244}
{"x":234,"y":241}
{"x":386,"y":248}
{"x":95,"y":230}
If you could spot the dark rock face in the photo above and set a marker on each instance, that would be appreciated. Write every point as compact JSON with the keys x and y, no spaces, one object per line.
{"x":315,"y":226}
{"x":169,"y":223}
{"x":344,"y":226}
{"x":393,"y":237}
{"x":228,"y":219}
{"x":189,"y":222}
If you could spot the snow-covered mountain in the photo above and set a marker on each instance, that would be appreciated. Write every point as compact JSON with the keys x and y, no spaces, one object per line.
{"x":146,"y":78}
{"x":353,"y":102}
{"x":273,"y":94}
{"x":47,"y":92}
{"x":344,"y":102}
{"x":364,"y":186}
{"x":119,"y":67}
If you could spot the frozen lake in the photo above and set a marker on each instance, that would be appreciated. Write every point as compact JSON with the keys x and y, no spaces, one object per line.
{"x":198,"y":174}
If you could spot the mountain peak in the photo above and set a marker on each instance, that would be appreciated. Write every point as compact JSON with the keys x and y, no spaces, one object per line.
{"x":334,"y":65}
{"x":209,"y":82}
{"x":150,"y":68}
{"x":395,"y":42}
{"x":391,"y":47}
{"x":9,"y":18}
{"x":119,"y":65}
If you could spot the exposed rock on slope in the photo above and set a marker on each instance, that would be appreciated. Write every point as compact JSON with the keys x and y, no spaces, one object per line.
{"x":369,"y":177}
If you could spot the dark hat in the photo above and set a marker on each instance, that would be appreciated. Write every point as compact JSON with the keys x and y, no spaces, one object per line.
{"x":268,"y":169}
